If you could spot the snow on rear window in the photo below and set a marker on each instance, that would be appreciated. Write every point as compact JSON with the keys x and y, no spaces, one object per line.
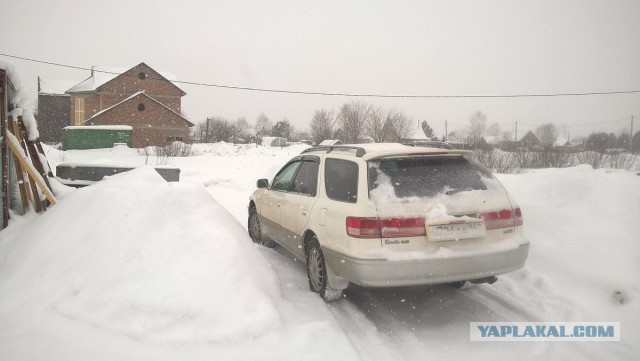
{"x":426,"y":177}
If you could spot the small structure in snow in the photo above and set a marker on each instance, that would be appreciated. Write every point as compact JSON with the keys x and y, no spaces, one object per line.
{"x":274,"y":141}
{"x":331,"y":142}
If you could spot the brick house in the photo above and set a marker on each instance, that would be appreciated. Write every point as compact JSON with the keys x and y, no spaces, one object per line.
{"x":139,"y":97}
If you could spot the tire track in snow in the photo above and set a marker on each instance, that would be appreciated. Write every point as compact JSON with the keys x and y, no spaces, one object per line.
{"x":362,"y":333}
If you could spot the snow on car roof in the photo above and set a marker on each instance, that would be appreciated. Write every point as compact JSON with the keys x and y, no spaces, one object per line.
{"x":379,"y":150}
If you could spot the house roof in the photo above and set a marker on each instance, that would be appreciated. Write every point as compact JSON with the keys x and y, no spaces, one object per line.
{"x":530,"y":136}
{"x":562,"y":141}
{"x":55,"y":87}
{"x":102,"y":75}
{"x":133,"y":96}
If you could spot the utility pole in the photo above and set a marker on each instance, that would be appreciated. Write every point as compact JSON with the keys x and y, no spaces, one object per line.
{"x":446,"y":132}
{"x":631,"y":136}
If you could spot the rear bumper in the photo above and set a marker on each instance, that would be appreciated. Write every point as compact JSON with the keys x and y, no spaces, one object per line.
{"x":386,"y":273}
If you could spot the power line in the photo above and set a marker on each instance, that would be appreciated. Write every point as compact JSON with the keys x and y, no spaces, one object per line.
{"x":267,"y":90}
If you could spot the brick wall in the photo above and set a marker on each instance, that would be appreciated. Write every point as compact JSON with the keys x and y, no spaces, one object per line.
{"x":53,"y":115}
{"x":141,"y":77}
{"x":153,"y":125}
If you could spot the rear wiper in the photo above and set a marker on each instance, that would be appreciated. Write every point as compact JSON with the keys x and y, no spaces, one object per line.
{"x":454,"y":191}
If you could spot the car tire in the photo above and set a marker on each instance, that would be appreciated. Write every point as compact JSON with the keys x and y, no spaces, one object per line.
{"x":317,"y":274}
{"x":255,"y":230}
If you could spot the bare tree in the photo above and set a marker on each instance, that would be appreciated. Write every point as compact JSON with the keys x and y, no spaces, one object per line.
{"x":375,"y":127}
{"x":494,"y":130}
{"x":400,"y":123}
{"x":477,"y":127}
{"x":353,"y":118}
{"x":547,"y":133}
{"x":323,"y":125}
{"x":507,"y":136}
{"x":242,"y":129}
{"x":263,"y":126}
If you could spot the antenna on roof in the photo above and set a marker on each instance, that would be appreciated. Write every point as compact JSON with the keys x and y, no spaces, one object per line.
{"x":92,"y":69}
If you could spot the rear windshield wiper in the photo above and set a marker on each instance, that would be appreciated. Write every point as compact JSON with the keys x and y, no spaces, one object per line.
{"x":454,"y":191}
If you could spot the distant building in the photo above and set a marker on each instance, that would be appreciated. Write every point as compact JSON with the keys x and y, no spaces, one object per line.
{"x":54,"y":108}
{"x":331,"y":142}
{"x":529,"y":140}
{"x":274,"y":141}
{"x":140,"y":97}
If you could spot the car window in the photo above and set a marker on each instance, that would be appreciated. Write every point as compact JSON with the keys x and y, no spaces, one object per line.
{"x":306,"y":181}
{"x":341,"y":180}
{"x":283,"y":179}
{"x":429,"y":176}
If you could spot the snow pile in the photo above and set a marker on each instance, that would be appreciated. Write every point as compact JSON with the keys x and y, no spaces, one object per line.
{"x":115,"y":256}
{"x":585,"y":250}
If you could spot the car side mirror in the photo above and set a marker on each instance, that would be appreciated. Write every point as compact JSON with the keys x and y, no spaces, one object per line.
{"x":263,"y":183}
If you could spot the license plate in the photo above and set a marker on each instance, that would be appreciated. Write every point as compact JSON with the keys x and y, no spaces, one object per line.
{"x":455,"y":231}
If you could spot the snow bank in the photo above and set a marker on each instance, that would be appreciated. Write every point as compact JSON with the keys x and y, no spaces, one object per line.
{"x":584,"y":231}
{"x":117,"y":257}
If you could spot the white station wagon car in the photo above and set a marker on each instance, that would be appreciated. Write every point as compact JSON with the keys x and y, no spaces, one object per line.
{"x":388,"y":215}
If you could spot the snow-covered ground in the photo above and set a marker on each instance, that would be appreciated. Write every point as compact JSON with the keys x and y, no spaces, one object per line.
{"x":137,"y":268}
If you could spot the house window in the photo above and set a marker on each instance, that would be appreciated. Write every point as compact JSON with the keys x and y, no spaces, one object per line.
{"x":78,"y":107}
{"x":142,"y":75}
{"x":140,"y":107}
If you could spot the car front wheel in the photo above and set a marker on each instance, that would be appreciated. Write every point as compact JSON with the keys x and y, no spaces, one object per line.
{"x":255,"y":230}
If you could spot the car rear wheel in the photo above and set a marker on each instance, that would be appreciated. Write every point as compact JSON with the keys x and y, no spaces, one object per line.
{"x":255,"y":230}
{"x":318,"y":274}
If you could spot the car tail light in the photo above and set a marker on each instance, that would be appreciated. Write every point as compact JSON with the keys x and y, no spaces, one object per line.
{"x":360,"y":227}
{"x":402,"y":227}
{"x":502,"y":219}
{"x":363,"y":227}
{"x":517,"y":217}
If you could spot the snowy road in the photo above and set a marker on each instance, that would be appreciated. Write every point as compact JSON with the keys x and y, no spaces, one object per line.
{"x":433,"y":321}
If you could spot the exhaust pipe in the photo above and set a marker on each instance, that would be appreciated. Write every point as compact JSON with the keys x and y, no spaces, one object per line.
{"x":489,"y":280}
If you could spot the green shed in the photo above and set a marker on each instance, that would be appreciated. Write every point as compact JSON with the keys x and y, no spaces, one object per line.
{"x":95,"y":136}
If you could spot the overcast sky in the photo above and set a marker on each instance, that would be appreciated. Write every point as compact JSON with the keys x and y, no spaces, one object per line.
{"x":373,"y":47}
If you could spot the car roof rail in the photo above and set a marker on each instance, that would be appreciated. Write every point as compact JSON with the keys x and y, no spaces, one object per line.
{"x":329,"y":148}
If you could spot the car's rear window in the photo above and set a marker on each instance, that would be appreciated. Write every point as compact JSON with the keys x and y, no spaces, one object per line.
{"x":429,"y":176}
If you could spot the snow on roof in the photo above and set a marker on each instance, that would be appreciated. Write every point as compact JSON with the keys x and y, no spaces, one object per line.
{"x":331,"y":142}
{"x":58,"y":87}
{"x":115,"y":105}
{"x":560,"y":141}
{"x":102,"y":75}
{"x":492,"y":139}
{"x":416,"y":133}
{"x":141,"y":92}
{"x":106,"y":127}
